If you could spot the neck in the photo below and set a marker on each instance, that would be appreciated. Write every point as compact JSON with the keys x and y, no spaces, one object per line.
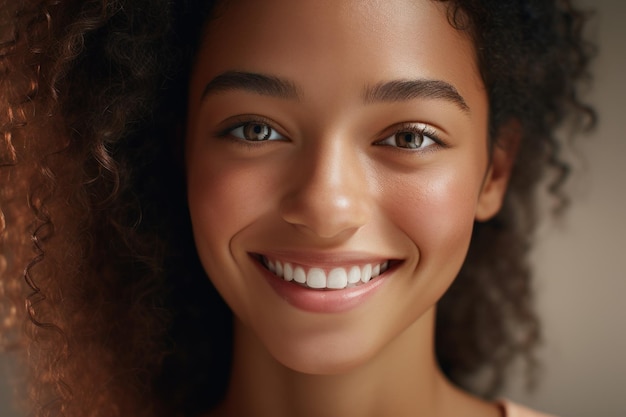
{"x":401,"y":380}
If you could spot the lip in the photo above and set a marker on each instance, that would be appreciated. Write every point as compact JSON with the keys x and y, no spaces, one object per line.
{"x":325,"y":300}
{"x":323,"y":260}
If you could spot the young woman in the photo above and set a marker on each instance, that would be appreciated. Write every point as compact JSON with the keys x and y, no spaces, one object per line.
{"x":277,"y":208}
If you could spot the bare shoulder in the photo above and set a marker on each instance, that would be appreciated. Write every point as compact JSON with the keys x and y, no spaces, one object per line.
{"x":515,"y":410}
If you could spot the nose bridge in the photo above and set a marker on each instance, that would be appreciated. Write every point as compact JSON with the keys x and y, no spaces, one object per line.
{"x":328,"y":195}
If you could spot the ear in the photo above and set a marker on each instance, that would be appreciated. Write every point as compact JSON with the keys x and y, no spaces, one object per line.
{"x":499,"y":171}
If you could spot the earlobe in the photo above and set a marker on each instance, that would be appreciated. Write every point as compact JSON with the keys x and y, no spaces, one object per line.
{"x":499,"y":171}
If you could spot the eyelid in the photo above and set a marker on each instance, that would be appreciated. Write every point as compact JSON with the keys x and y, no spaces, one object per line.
{"x":417,"y":127}
{"x":238,"y":121}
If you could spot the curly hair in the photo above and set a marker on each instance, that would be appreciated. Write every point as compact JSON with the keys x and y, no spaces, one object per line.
{"x":99,"y":282}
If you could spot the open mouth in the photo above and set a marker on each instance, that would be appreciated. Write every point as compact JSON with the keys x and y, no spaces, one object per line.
{"x":320,"y":278}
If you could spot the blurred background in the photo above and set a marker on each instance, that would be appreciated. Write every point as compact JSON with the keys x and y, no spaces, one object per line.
{"x":580,"y":281}
{"x":581,"y":287}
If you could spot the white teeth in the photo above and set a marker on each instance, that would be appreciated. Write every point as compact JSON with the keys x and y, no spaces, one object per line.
{"x":317,"y":278}
{"x":337,"y":279}
{"x":366,"y":273}
{"x":288,"y":272}
{"x":354,"y":275}
{"x":299,"y":275}
{"x":376,"y":271}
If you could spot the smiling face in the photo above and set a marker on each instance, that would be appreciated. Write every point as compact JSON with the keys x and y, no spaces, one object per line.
{"x":336,"y":161}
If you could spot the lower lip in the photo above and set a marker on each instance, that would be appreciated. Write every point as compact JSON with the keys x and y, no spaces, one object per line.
{"x":322,"y":301}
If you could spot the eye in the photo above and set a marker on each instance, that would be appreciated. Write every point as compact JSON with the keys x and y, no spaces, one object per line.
{"x":411,"y":137}
{"x":255,"y":132}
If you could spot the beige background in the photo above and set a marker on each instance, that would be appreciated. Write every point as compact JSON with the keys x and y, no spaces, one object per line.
{"x":581,"y":283}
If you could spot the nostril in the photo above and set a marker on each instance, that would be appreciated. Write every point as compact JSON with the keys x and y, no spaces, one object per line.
{"x":329,"y":197}
{"x":325,"y":227}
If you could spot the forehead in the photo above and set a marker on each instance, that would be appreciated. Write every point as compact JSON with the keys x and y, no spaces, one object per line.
{"x":339,"y":43}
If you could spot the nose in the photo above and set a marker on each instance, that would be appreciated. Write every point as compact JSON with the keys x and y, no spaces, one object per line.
{"x":328,"y":195}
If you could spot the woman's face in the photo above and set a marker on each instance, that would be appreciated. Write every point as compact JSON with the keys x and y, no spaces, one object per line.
{"x":336,"y":161}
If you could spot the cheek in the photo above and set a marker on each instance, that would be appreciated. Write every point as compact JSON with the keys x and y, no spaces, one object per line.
{"x":216,"y":197}
{"x":224,"y":198}
{"x":222,"y":201}
{"x":436,"y":213}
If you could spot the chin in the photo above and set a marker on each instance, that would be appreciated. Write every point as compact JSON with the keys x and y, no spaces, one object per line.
{"x":323,"y":364}
{"x":329,"y":354}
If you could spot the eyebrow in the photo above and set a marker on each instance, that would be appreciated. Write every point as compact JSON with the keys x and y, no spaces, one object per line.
{"x":390,"y":91}
{"x":262,"y":84}
{"x":403,"y":90}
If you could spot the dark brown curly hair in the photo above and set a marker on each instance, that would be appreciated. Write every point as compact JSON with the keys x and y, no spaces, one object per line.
{"x":100,"y":286}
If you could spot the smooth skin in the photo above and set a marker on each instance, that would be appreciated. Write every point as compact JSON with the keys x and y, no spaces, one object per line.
{"x":335,"y":181}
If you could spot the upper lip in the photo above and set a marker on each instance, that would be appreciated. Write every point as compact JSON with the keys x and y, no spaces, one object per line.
{"x":324,"y":259}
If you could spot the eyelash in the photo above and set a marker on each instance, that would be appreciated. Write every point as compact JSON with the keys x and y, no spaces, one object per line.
{"x":226,"y":133}
{"x":421,"y":129}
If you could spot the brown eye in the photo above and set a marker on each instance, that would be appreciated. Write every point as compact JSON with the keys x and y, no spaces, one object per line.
{"x":412,"y":137}
{"x":255,"y":132}
{"x":410,"y":140}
